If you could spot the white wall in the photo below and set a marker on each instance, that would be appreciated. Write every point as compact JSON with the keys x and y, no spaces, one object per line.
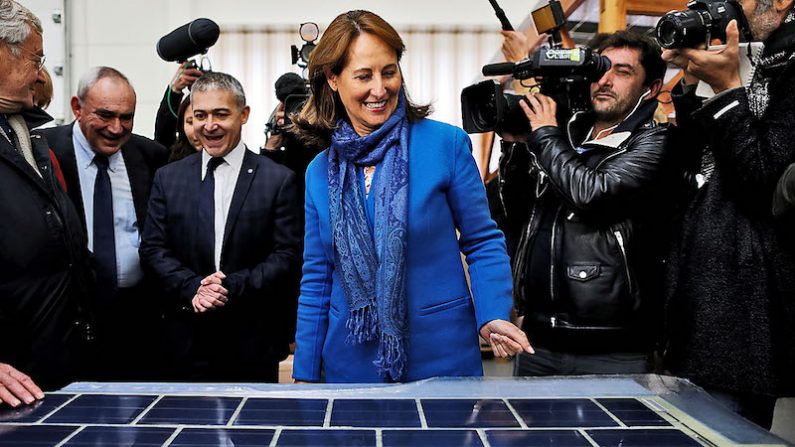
{"x":122,"y":34}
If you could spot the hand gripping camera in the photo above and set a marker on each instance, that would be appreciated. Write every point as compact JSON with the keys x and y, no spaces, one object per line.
{"x":565,"y":75}
{"x":702,"y":21}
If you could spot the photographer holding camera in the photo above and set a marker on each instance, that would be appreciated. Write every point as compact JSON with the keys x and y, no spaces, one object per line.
{"x":282,"y":146}
{"x":588,"y":263}
{"x":731,"y":297}
{"x":168,"y":119}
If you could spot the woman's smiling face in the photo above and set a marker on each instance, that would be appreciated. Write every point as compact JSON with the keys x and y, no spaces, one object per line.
{"x":369,"y":84}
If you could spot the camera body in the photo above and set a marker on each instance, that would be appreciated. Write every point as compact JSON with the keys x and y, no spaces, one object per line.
{"x":702,"y":21}
{"x":565,"y":75}
{"x":292,"y":104}
{"x":203,"y":65}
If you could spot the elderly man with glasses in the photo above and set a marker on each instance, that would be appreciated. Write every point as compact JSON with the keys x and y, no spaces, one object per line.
{"x":43,"y":269}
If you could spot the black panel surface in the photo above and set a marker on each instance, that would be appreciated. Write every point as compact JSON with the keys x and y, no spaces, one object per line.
{"x":32,"y":413}
{"x":181,"y":421}
{"x":536,"y":438}
{"x":289,"y":412}
{"x":121,"y":436}
{"x":173,"y":410}
{"x":642,"y":438}
{"x":101,"y":409}
{"x":326,"y":438}
{"x":633,"y":413}
{"x":431,"y":438}
{"x":455,"y":413}
{"x":33,"y":435}
{"x":375,"y":413}
{"x":561,"y":413}
{"x":222,"y":437}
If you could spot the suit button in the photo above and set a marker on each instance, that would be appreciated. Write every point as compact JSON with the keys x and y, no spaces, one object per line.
{"x":582,"y":274}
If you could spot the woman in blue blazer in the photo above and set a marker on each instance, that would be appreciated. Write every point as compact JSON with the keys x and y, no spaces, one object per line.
{"x":384,"y":295}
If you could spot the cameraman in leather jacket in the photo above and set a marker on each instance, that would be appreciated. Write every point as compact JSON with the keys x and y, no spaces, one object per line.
{"x":587,"y":210}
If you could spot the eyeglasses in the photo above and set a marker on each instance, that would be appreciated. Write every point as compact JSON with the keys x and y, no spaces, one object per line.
{"x":38,"y":60}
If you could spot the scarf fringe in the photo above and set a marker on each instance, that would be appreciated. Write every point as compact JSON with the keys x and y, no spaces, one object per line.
{"x":391,"y":360}
{"x":362,"y":325}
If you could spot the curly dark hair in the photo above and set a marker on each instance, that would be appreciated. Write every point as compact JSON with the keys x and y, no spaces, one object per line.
{"x":650,"y":52}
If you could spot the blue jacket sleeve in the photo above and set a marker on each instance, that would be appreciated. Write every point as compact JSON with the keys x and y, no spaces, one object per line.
{"x":314,"y":302}
{"x":480,"y":240}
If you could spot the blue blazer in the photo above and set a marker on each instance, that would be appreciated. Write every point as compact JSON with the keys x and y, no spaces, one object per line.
{"x":445,"y":195}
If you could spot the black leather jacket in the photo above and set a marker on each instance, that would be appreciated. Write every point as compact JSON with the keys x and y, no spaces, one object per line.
{"x":612,"y":208}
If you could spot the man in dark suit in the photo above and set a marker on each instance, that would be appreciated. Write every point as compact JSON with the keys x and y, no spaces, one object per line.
{"x":223,"y":234}
{"x":109,"y":171}
{"x":44,"y":274}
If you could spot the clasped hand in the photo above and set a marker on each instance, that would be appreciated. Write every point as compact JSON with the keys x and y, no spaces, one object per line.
{"x":211,"y":293}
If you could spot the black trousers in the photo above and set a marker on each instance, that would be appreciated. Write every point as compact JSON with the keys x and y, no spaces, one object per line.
{"x":128,"y":334}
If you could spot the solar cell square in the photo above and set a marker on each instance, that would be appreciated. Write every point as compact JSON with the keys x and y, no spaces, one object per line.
{"x":642,"y":438}
{"x":120,"y":436}
{"x":101,"y":409}
{"x":633,"y":412}
{"x":286,"y":412}
{"x":326,"y":438}
{"x":561,"y":413}
{"x":375,"y":413}
{"x":34,"y":412}
{"x":480,"y":413}
{"x":222,"y":437}
{"x":431,"y":438}
{"x":33,"y":435}
{"x":536,"y":438}
{"x":192,"y":410}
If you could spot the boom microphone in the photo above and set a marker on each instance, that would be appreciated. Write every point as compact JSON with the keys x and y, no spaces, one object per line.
{"x":498,"y":69}
{"x":188,"y":40}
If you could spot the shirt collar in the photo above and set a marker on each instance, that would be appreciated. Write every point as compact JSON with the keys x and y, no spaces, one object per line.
{"x":85,"y":155}
{"x":234,"y":158}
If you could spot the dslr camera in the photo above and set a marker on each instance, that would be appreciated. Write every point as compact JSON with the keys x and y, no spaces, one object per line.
{"x":702,"y":21}
{"x":563,"y":74}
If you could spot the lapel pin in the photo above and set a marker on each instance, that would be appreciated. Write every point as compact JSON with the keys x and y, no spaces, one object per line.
{"x":250,"y":171}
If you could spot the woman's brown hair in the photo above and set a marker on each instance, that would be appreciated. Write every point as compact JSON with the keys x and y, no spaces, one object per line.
{"x":317,"y":120}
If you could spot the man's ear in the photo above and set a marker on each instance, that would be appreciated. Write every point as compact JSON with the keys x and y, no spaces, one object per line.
{"x":77,"y":108}
{"x":246,"y":111}
{"x":782,"y":6}
{"x":654,"y":89}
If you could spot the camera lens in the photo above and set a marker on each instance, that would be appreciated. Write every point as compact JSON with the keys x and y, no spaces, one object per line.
{"x":667,"y":33}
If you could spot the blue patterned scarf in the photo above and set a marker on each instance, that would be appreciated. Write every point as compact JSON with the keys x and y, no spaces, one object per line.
{"x":372,"y":267}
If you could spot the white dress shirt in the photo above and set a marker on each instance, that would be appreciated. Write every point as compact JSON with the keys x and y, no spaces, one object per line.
{"x":225,"y":175}
{"x":126,"y":232}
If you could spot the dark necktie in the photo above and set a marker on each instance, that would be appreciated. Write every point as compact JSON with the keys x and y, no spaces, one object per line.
{"x":104,"y":241}
{"x":206,"y":220}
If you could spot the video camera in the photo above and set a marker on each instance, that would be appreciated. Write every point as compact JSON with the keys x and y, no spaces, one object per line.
{"x":292,"y":89}
{"x":702,"y":21}
{"x":565,"y":75}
